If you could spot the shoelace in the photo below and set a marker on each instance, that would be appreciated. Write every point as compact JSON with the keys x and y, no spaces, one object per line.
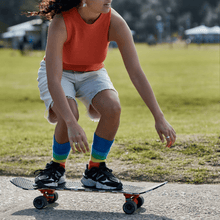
{"x":50,"y":170}
{"x":40,"y":171}
{"x":106,"y":171}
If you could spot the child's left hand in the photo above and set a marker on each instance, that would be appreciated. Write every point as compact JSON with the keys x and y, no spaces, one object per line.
{"x":164,"y":129}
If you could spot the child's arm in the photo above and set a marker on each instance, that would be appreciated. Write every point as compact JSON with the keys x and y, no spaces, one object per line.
{"x":120,"y":32}
{"x":57,"y":35}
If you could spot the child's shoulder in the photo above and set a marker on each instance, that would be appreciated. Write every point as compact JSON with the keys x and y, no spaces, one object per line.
{"x":58,"y":22}
{"x":116,"y":19}
{"x":115,"y":14}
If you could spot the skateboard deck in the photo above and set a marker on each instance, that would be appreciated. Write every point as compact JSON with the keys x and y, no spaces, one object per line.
{"x":131,"y":193}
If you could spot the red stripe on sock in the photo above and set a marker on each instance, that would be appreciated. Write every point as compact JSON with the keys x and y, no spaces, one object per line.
{"x":93,"y":164}
{"x":63,"y":165}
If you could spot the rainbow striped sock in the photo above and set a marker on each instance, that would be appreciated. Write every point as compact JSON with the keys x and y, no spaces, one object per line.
{"x":60,"y":152}
{"x":100,"y":149}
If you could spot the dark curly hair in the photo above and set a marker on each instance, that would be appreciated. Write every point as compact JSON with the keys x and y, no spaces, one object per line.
{"x":49,"y":8}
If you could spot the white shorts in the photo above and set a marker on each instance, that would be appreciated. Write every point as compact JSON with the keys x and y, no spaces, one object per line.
{"x":83,"y":86}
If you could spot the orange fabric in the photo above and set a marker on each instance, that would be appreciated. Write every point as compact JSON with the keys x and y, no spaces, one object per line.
{"x":93,"y":164}
{"x":63,"y":165}
{"x":87,"y":44}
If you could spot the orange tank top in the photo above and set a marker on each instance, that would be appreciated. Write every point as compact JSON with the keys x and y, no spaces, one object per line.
{"x":87,"y":44}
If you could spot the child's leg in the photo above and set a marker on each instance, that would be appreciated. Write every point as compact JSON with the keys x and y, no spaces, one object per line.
{"x":61,"y":146}
{"x":53,"y":174}
{"x":97,"y":174}
{"x":108,"y":105}
{"x":61,"y":130}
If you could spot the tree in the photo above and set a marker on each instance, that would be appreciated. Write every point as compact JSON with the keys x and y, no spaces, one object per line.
{"x":197,"y":8}
{"x":210,"y":14}
{"x":139,"y":14}
{"x":11,"y":12}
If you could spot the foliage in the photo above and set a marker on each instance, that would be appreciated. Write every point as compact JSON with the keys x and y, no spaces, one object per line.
{"x":140,"y":14}
{"x":11,"y":12}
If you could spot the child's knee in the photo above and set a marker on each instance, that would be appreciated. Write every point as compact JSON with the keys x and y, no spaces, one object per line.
{"x":52,"y":117}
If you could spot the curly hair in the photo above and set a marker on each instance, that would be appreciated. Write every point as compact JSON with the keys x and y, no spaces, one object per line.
{"x":49,"y":8}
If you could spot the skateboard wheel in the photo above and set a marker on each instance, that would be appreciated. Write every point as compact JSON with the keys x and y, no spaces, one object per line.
{"x":40,"y":202}
{"x":54,"y":199}
{"x":140,"y":200}
{"x":130,"y":207}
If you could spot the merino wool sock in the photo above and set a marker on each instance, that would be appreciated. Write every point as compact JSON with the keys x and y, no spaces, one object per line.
{"x":100,"y":151}
{"x":60,"y":152}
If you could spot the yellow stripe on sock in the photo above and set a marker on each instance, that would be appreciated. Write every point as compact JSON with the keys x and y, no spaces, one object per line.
{"x":59,"y":161}
{"x":96,"y":160}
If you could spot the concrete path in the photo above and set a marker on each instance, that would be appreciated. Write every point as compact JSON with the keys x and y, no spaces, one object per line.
{"x":172,"y":201}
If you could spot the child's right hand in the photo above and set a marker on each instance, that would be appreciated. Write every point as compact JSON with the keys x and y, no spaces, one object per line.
{"x":164,"y":129}
{"x":77,"y":138}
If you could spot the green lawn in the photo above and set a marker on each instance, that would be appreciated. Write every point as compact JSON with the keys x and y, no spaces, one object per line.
{"x":186,"y":84}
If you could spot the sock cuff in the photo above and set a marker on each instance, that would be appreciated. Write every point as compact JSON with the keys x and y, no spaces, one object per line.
{"x":101,"y":144}
{"x":61,"y":149}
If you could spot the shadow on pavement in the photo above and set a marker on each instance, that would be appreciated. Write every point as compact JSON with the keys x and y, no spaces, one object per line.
{"x":51,"y":213}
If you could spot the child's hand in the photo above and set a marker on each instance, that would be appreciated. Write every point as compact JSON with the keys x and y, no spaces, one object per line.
{"x":77,"y":138}
{"x":164,"y":129}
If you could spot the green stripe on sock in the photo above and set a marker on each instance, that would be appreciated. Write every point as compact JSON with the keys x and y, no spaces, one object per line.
{"x":60,"y":157}
{"x":99,"y":157}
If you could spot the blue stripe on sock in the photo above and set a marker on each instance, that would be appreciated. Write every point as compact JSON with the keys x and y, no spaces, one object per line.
{"x":61,"y":149}
{"x":100,"y":147}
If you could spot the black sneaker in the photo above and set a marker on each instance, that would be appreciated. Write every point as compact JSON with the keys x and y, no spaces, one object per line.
{"x":100,"y":178}
{"x":52,"y":176}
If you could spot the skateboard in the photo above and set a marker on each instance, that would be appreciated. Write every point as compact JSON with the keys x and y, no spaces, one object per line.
{"x":133,"y":198}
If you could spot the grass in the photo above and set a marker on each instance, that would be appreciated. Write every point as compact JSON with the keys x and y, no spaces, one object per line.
{"x":186,"y":84}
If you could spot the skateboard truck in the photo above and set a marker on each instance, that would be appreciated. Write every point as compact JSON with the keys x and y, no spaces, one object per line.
{"x":49,"y":196}
{"x":132,"y":203}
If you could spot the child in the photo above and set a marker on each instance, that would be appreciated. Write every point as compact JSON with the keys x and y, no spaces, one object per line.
{"x":77,"y":45}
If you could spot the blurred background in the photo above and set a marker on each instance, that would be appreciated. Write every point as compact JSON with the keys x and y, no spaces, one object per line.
{"x":151,"y":21}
